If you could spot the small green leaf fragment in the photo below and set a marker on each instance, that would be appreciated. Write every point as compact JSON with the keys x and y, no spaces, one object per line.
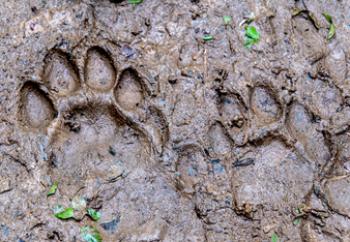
{"x":251,"y":32}
{"x":249,"y":43}
{"x":274,"y":237}
{"x":252,"y":36}
{"x":331,"y":32}
{"x":208,"y":37}
{"x":135,"y":1}
{"x":95,"y":215}
{"x":227,"y":20}
{"x":332,"y":28}
{"x":328,"y":17}
{"x":90,"y":234}
{"x":53,"y":189}
{"x":65,"y":214}
{"x":297,"y":221}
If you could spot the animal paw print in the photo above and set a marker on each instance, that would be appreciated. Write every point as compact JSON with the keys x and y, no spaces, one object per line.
{"x":263,"y":112}
{"x":99,"y":122}
{"x":264,"y":116}
{"x":241,"y":144}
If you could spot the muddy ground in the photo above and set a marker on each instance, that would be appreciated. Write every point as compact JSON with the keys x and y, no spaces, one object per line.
{"x":168,"y":136}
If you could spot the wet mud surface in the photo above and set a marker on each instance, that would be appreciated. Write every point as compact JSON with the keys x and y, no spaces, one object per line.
{"x":171,"y":137}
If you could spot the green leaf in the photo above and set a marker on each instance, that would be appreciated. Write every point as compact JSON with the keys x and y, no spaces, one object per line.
{"x":227,"y":20}
{"x":249,"y":43}
{"x":331,"y":32}
{"x":274,"y":237}
{"x":297,"y":221}
{"x":328,"y":17}
{"x":135,"y":1}
{"x":252,"y":36}
{"x":90,"y":234}
{"x":332,"y":28}
{"x":53,"y":189}
{"x":208,"y":37}
{"x":95,"y":215}
{"x":251,"y":32}
{"x":65,"y":213}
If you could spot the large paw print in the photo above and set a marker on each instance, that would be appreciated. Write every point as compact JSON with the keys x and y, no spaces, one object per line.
{"x":99,"y":122}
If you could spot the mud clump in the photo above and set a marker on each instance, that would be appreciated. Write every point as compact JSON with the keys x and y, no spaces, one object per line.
{"x":167,"y":134}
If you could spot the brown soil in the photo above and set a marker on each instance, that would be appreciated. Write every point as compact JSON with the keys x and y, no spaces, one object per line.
{"x":170,"y":137}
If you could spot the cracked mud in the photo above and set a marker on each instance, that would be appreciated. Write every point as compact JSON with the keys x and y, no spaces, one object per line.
{"x":171,"y":137}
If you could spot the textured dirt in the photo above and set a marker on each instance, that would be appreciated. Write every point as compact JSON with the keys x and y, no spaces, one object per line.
{"x":170,"y":137}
